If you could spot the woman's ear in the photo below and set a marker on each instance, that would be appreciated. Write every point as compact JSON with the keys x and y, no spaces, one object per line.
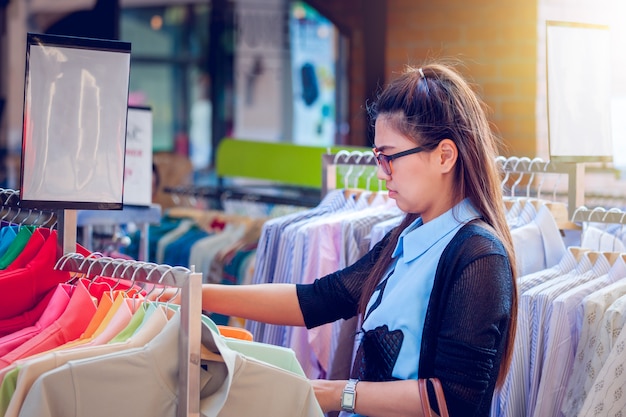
{"x":448,"y":153}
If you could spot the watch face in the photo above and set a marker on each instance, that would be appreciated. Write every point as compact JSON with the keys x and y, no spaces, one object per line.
{"x":348,"y":399}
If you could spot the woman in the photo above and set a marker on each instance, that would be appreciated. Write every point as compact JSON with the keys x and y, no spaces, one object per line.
{"x":436,"y":297}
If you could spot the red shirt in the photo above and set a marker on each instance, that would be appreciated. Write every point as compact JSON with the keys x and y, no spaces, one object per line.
{"x":36,"y":241}
{"x":22,"y":288}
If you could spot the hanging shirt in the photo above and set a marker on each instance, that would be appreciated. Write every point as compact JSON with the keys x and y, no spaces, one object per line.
{"x":27,"y":318}
{"x":316,"y":251}
{"x":541,"y":298}
{"x":329,"y":241}
{"x":183,"y":227}
{"x":133,"y":325}
{"x":611,"y":326}
{"x":381,"y":229}
{"x":68,"y":327}
{"x":36,"y":241}
{"x":293,"y":249}
{"x":601,"y":240}
{"x":22,"y":288}
{"x":269,"y":260}
{"x":510,"y":400}
{"x":156,"y":232}
{"x":98,"y":321}
{"x":17,"y":245}
{"x":7,"y":234}
{"x":204,"y":250}
{"x":279,"y":356}
{"x":400,"y":301}
{"x":524,"y":215}
{"x":584,"y":367}
{"x":538,"y":243}
{"x":606,"y":397}
{"x":232,"y":388}
{"x":355,"y":231}
{"x":177,"y":252}
{"x":116,"y":321}
{"x":562,"y":341}
{"x":58,"y":303}
{"x":28,"y":371}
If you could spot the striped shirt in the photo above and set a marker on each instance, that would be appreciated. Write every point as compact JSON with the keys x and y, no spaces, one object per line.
{"x":563,"y":339}
{"x":510,"y":400}
{"x":541,"y":298}
{"x":583,"y":371}
{"x":267,"y":249}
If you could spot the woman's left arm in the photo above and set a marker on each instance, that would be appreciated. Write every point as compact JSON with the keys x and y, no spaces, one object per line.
{"x":373,"y":399}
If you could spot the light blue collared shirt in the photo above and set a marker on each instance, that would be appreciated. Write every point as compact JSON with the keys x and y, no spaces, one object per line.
{"x":404,"y":299}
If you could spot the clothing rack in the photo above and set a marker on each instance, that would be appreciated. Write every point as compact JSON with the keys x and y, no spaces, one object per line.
{"x":523,"y":165}
{"x":599,"y":215}
{"x":190,"y":284}
{"x":275,"y":194}
{"x":332,"y":161}
{"x":64,"y":220}
{"x":11,"y":211}
{"x":511,"y":165}
{"x":187,"y":280}
{"x":142,"y":216}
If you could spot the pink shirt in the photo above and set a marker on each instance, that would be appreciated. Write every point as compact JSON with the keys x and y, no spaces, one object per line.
{"x":56,"y":306}
{"x":68,"y":327}
{"x":27,"y":318}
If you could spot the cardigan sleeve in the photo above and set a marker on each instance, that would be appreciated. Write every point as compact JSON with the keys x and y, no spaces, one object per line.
{"x":468,"y":324}
{"x":337,"y":295}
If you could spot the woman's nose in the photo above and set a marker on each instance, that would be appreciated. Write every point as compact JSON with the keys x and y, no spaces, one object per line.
{"x":381,"y":174}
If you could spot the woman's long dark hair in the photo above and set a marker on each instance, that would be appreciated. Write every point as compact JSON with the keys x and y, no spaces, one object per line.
{"x":430,"y":104}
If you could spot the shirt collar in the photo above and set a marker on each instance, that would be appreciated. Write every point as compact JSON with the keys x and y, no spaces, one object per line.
{"x":418,"y":237}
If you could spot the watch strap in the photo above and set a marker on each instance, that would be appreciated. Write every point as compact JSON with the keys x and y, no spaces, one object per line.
{"x":348,"y":397}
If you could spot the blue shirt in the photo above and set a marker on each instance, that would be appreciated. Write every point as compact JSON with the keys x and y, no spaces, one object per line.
{"x":401,"y":301}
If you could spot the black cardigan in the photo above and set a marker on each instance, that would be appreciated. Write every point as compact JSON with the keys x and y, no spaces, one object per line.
{"x":466,"y":323}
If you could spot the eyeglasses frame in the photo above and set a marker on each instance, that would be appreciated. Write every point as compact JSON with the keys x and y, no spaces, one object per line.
{"x":388,"y":158}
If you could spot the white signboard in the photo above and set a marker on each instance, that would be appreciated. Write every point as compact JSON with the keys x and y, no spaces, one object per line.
{"x":74,"y":134}
{"x":138,"y":164}
{"x":579,"y":92}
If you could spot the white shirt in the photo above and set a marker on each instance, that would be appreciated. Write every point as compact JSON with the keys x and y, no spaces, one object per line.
{"x":538,"y":244}
{"x":601,"y":240}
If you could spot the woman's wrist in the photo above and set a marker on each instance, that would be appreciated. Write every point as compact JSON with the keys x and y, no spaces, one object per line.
{"x":348,"y":396}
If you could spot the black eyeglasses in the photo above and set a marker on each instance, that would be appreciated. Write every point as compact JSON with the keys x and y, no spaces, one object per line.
{"x":384,"y":161}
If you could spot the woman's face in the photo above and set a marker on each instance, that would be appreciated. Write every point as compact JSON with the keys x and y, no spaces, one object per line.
{"x":419,"y":182}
